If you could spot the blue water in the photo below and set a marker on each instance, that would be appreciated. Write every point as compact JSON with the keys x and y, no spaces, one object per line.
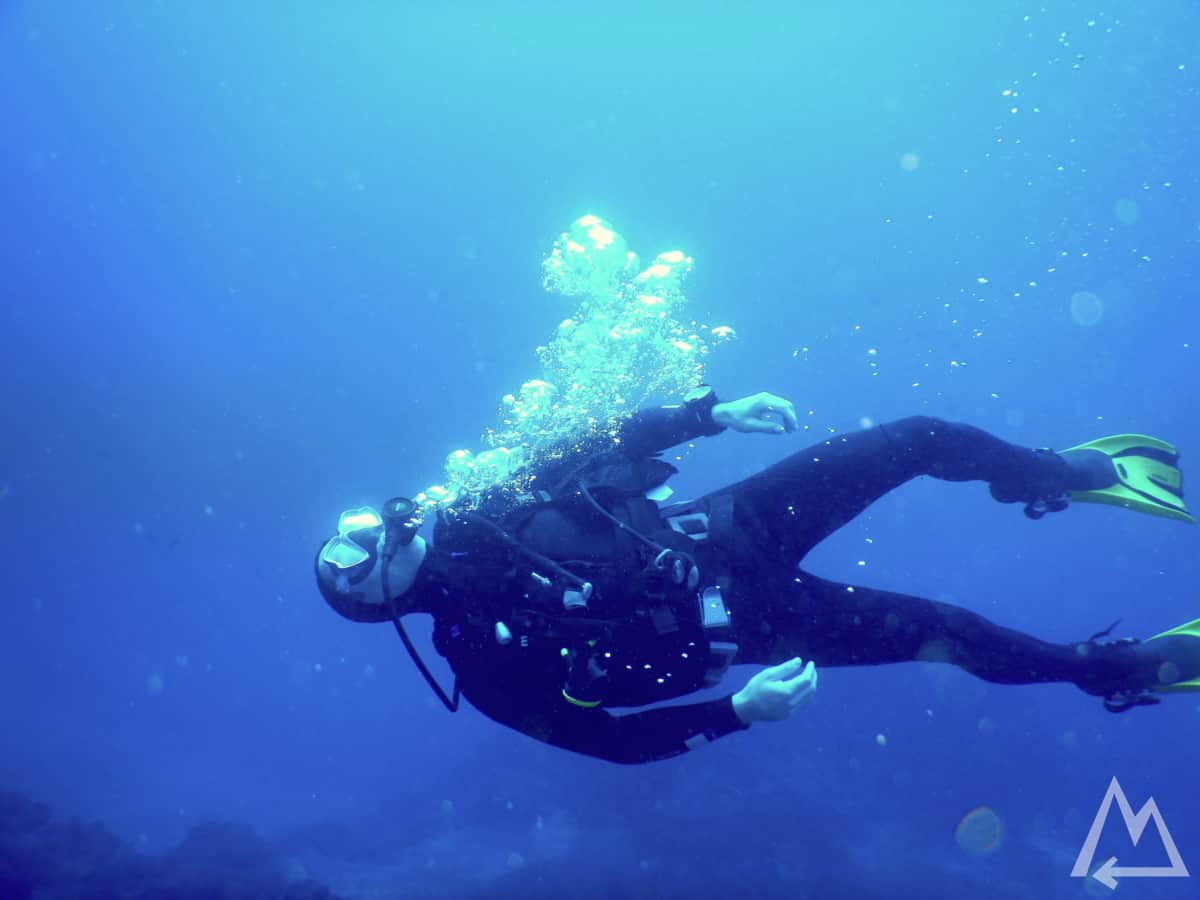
{"x":264,"y":262}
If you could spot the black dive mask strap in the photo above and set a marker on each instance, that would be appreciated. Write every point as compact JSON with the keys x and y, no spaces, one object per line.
{"x":450,"y":704}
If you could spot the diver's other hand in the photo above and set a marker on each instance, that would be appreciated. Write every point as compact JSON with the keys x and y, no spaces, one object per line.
{"x":776,"y":692}
{"x":762,"y":412}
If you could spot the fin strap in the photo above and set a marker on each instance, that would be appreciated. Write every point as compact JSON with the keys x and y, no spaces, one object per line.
{"x":1053,"y":503}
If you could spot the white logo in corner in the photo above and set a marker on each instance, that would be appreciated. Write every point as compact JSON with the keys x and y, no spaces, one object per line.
{"x":1135,"y":824}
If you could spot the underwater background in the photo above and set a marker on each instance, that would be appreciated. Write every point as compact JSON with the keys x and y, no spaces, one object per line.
{"x":265,"y":262}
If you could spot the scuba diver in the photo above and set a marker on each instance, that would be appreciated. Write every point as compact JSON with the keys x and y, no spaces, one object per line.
{"x":578,"y":592}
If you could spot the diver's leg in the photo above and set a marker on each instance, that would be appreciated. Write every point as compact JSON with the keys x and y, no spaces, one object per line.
{"x":846,"y":625}
{"x":785,"y":510}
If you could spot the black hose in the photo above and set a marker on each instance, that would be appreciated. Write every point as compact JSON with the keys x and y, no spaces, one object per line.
{"x":452,"y":705}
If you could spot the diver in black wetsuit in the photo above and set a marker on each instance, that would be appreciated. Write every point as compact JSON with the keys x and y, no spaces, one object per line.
{"x":582,"y":595}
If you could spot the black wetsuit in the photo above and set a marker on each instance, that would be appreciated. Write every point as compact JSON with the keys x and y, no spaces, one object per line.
{"x":758,"y":532}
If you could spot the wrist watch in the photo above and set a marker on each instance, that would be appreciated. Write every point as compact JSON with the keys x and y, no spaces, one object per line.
{"x":701,"y":400}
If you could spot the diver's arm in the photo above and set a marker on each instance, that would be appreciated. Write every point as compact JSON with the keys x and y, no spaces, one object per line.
{"x":651,"y":735}
{"x":653,"y":430}
{"x":771,"y":695}
{"x":632,"y":738}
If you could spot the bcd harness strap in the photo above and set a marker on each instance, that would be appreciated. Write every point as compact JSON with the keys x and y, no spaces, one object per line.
{"x":666,"y":586}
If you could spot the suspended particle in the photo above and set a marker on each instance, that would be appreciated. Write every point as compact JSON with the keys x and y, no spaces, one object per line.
{"x":1087,"y":309}
{"x":980,"y":831}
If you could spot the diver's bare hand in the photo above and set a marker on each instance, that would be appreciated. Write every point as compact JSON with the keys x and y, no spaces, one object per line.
{"x":776,"y":692}
{"x":761,"y":413}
